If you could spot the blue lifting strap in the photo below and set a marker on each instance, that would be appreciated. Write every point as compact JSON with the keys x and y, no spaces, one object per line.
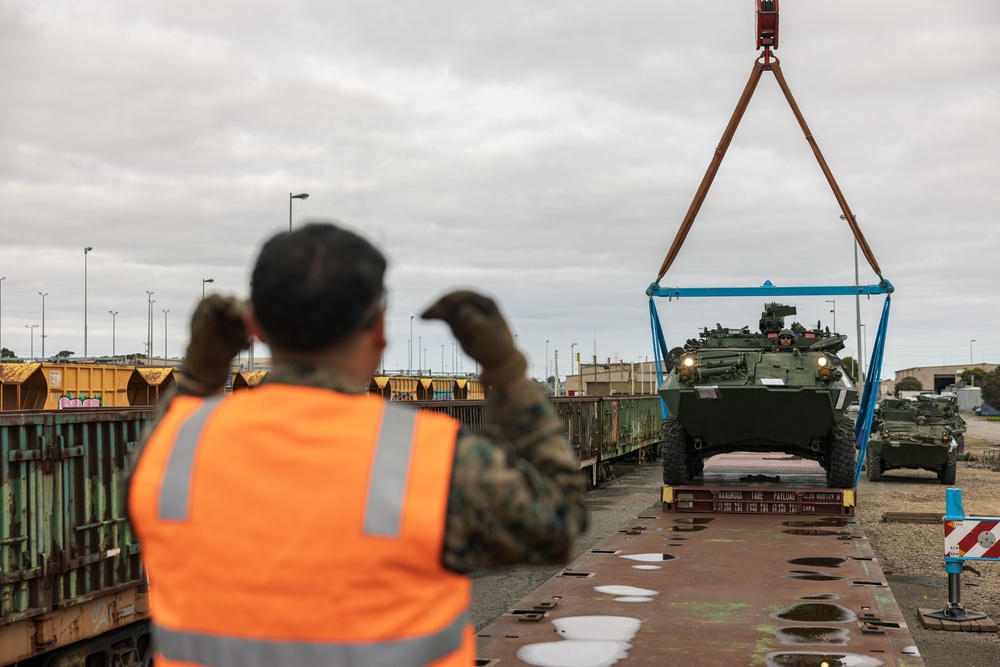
{"x":862,"y":428}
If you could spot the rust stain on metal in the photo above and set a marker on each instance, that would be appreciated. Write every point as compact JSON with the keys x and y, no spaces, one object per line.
{"x":155,"y":376}
{"x":254,"y":378}
{"x":17,"y":373}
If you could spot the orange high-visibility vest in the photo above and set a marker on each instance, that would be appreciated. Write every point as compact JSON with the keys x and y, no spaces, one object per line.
{"x":295,"y":525}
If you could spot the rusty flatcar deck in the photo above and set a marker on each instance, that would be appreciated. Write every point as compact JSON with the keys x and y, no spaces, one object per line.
{"x":706,"y":589}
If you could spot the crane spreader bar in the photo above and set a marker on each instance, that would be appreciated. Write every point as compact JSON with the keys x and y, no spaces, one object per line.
{"x":769,"y":290}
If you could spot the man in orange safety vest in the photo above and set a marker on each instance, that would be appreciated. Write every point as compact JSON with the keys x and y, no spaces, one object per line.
{"x":308,"y":523}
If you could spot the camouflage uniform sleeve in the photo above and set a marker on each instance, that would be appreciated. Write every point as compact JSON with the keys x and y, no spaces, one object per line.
{"x":516,"y":493}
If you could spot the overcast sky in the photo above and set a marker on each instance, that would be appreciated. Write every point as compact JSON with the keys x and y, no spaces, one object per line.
{"x":544,"y":153}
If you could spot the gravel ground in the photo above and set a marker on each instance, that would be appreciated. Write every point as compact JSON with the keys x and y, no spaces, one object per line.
{"x":910,"y":554}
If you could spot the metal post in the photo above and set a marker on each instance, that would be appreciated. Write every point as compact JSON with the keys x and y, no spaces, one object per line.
{"x":149,"y":326}
{"x":834,"y":311}
{"x":86,"y":251}
{"x":572,"y":357}
{"x":114,"y":318}
{"x":546,"y":362}
{"x":2,"y":278}
{"x":203,"y":281}
{"x":409,"y":344}
{"x":857,"y":316}
{"x":970,"y":350}
{"x":304,"y":195}
{"x":954,"y":611}
{"x":43,"y":295}
{"x":32,"y":327}
{"x":165,"y":335}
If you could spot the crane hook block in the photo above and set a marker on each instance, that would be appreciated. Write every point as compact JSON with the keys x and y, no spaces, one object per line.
{"x":767,"y":24}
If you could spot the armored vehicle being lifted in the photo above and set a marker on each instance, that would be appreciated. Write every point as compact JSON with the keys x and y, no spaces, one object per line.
{"x":773,"y":390}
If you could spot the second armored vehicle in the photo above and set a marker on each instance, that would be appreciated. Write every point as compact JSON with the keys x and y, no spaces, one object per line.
{"x":905,"y":437}
{"x":776,"y":389}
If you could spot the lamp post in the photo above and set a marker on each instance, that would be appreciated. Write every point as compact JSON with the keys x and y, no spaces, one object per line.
{"x":409,"y":343}
{"x":970,"y":350}
{"x":442,"y":358}
{"x":857,"y":311}
{"x":32,"y":327}
{"x":43,"y":295}
{"x":114,"y":318}
{"x":3,"y":278}
{"x":165,"y":335}
{"x":572,"y":360}
{"x":834,"y":311}
{"x":546,"y":361}
{"x":149,"y":326}
{"x":420,"y":358}
{"x":864,"y":351}
{"x":303,"y":195}
{"x":203,"y":281}
{"x":86,"y":251}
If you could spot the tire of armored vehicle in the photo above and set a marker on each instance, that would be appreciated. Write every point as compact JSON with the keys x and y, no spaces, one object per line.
{"x":874,"y":465}
{"x":736,"y":390}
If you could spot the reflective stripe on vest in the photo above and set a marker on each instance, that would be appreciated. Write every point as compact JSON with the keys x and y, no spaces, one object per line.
{"x":387,"y":483}
{"x":218,"y":651}
{"x":175,"y":491}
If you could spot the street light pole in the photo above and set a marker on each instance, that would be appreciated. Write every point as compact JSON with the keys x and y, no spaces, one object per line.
{"x":3,"y":278}
{"x":834,"y":311}
{"x":32,"y":327}
{"x":572,"y":361}
{"x":203,"y":281}
{"x":409,"y":363}
{"x":970,"y":350}
{"x":546,"y":361}
{"x":114,"y":318}
{"x":149,"y":326}
{"x":304,"y":195}
{"x":86,"y":251}
{"x":857,"y":314}
{"x":165,"y":335}
{"x":864,"y":349}
{"x":43,"y":295}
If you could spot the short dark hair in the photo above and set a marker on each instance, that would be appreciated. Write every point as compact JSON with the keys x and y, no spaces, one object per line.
{"x":316,"y":286}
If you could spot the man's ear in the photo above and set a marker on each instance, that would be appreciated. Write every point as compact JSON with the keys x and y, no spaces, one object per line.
{"x":251,"y":324}
{"x":378,"y":331}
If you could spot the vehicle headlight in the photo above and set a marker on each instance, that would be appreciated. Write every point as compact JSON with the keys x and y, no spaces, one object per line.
{"x":822,"y":361}
{"x":688,"y":362}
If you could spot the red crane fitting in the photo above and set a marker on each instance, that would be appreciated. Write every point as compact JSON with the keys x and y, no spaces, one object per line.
{"x":767,"y":24}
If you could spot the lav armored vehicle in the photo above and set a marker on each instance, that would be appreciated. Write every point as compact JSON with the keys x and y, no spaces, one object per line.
{"x":905,"y":437}
{"x":943,"y":409}
{"x":741,"y":390}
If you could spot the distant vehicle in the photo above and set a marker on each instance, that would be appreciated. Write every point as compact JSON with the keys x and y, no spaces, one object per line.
{"x":740,"y":390}
{"x":906,"y":439}
{"x":944,"y":408}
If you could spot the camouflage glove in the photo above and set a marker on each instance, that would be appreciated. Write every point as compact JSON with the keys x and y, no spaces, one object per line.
{"x":217,"y":335}
{"x":483,"y":334}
